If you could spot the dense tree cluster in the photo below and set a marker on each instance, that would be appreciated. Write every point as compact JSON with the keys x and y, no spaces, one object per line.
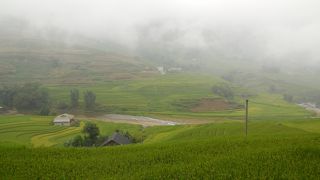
{"x":33,"y":97}
{"x":91,"y":137}
{"x":223,"y":90}
{"x":30,"y":97}
{"x":288,"y":97}
{"x":89,"y":99}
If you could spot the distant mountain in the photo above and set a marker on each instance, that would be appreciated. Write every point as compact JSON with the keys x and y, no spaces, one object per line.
{"x":52,"y":56}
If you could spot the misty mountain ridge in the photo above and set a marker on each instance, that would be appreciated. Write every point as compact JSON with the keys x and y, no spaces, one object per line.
{"x":52,"y":55}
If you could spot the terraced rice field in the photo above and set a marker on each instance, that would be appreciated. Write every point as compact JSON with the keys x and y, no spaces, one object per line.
{"x":38,"y":131}
{"x":176,"y":96}
{"x":286,"y":149}
{"x":33,"y":130}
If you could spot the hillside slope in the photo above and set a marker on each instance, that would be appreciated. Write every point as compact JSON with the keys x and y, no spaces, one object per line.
{"x":65,"y":65}
{"x":52,"y":56}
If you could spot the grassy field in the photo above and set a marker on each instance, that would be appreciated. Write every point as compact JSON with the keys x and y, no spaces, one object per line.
{"x":173,"y":96}
{"x":289,"y":149}
{"x":38,"y":131}
{"x":283,"y":141}
{"x":161,"y":93}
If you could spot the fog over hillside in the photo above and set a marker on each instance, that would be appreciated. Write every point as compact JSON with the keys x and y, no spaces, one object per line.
{"x":273,"y":31}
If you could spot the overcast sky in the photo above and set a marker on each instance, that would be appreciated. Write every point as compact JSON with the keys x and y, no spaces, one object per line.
{"x":285,"y":25}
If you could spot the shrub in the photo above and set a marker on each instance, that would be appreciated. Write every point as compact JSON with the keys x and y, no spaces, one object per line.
{"x":223,"y":90}
{"x":288,"y":97}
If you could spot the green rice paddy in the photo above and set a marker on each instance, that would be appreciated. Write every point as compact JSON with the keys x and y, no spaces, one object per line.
{"x":283,"y":140}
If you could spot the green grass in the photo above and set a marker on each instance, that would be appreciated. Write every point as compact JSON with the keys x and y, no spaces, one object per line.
{"x":273,"y":150}
{"x":172,"y":96}
{"x":145,"y":95}
{"x":38,"y":131}
{"x":312,"y":126}
{"x":283,"y":141}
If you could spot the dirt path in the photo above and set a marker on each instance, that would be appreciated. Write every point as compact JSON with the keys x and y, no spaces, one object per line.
{"x":142,"y":120}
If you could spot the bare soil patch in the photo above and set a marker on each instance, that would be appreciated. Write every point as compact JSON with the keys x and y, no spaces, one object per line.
{"x":212,"y":105}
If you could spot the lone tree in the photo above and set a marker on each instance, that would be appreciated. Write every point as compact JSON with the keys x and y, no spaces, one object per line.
{"x":74,"y":98}
{"x":89,"y":100}
{"x":92,"y":133}
{"x":31,"y":96}
{"x":7,"y":95}
{"x":91,"y":137}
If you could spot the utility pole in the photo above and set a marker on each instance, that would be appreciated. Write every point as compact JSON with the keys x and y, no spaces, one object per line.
{"x":246,"y":128}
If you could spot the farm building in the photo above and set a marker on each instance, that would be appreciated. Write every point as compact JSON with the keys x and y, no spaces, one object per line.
{"x":64,"y":120}
{"x":161,"y":70}
{"x":117,"y":139}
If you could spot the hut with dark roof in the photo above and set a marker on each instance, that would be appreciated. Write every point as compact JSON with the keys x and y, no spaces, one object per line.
{"x":117,"y":139}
